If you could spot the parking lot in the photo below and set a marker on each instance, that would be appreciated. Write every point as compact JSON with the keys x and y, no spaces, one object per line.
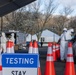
{"x":59,"y":66}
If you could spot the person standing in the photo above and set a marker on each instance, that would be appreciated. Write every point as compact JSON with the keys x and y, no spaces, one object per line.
{"x":69,"y":36}
{"x":0,"y":60}
{"x":41,"y":42}
{"x":3,"y":42}
{"x":12,"y":39}
{"x":63,"y":45}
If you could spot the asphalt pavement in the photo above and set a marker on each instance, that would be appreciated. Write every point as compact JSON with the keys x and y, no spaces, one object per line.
{"x":59,"y":66}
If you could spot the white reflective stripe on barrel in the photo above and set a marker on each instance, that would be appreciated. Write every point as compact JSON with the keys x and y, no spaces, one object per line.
{"x":54,"y":50}
{"x":39,"y":64}
{"x":70,"y":51}
{"x":35,"y":50}
{"x":9,"y":50}
{"x":49,"y":58}
{"x":57,"y":47}
{"x":12,"y":49}
{"x":49,"y":50}
{"x":53,"y":46}
{"x":30,"y":50}
{"x":70,"y":59}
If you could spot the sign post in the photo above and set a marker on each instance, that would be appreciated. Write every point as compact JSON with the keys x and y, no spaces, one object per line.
{"x":19,"y":64}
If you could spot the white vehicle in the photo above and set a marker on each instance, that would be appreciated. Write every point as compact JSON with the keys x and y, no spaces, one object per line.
{"x":20,"y":38}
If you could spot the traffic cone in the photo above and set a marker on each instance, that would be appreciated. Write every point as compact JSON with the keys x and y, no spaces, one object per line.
{"x":58,"y":51}
{"x":69,"y":69}
{"x":9,"y":46}
{"x":35,"y":47}
{"x":39,"y":69}
{"x":30,"y":47}
{"x":49,"y":68}
{"x":54,"y":53}
{"x":35,"y":50}
{"x":12,"y":47}
{"x":0,"y":64}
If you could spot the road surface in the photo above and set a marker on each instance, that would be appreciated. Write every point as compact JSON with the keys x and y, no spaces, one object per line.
{"x":59,"y":66}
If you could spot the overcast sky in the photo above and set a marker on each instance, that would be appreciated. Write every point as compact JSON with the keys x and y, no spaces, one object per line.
{"x":68,"y":2}
{"x":71,"y":3}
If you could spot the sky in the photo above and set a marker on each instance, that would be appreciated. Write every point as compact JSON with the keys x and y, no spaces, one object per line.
{"x":70,"y":3}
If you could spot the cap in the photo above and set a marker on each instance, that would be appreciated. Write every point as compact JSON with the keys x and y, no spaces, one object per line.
{"x":72,"y":30}
{"x":65,"y":29}
{"x":3,"y":34}
{"x":12,"y":34}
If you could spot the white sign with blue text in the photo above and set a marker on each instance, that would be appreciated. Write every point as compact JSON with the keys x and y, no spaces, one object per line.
{"x":19,"y":64}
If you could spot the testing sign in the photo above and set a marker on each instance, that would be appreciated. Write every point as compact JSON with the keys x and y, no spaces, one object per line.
{"x":19,"y":64}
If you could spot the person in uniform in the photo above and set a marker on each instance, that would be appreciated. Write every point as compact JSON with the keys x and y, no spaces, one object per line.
{"x":63,"y":45}
{"x":3,"y":42}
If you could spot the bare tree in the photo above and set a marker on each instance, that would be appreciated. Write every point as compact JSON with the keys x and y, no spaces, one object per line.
{"x":30,"y":19}
{"x":67,"y":10}
{"x":41,"y":19}
{"x":72,"y":23}
{"x":15,"y":20}
{"x":18,"y":20}
{"x":61,"y":21}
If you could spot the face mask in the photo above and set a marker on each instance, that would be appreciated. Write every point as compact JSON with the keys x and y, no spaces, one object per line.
{"x":72,"y":37}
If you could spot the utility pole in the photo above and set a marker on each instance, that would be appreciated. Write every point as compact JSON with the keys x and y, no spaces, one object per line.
{"x":31,"y":31}
{"x":53,"y":35}
{"x":1,"y":24}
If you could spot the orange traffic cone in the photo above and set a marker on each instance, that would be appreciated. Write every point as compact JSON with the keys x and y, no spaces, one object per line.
{"x":57,"y":50}
{"x":0,"y":64}
{"x":39,"y":69}
{"x":30,"y":47}
{"x":69,"y":69}
{"x":35,"y":50}
{"x":35,"y":47}
{"x":49,"y":68}
{"x":54,"y":53}
{"x":12,"y":47}
{"x":9,"y":46}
